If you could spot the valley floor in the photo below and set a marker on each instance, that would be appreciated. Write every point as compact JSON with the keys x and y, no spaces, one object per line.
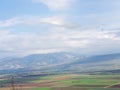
{"x":63,"y":82}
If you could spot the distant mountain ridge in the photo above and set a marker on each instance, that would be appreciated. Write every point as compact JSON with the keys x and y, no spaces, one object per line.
{"x":36,"y":61}
{"x":62,"y":62}
{"x":96,"y":63}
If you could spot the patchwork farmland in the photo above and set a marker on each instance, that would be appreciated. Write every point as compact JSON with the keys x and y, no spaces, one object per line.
{"x":62,"y":82}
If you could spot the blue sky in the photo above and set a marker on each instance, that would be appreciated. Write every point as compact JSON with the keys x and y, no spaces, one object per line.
{"x":48,"y":26}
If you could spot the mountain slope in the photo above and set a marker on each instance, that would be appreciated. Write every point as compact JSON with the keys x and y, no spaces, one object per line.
{"x":93,"y":63}
{"x":36,"y":61}
{"x":62,"y":62}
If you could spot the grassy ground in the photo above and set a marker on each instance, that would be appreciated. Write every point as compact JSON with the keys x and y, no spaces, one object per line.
{"x":44,"y":88}
{"x":70,"y":82}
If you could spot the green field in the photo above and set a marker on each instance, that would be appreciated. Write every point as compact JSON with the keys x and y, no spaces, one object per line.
{"x":44,"y":88}
{"x":67,"y":82}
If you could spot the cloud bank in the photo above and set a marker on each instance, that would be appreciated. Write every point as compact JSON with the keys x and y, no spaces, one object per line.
{"x":79,"y":29}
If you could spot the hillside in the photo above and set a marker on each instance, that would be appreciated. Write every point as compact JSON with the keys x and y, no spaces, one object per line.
{"x":92,"y":63}
{"x":36,"y":61}
{"x":62,"y":62}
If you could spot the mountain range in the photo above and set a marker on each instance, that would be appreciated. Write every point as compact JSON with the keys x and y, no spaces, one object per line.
{"x":62,"y":62}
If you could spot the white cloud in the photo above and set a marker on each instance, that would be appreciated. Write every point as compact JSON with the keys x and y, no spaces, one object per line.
{"x":54,"y":21}
{"x":29,"y":43}
{"x":20,"y":20}
{"x":56,"y":4}
{"x":62,"y":36}
{"x":9,"y":22}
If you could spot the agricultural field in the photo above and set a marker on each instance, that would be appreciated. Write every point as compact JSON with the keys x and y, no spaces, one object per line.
{"x":62,"y":82}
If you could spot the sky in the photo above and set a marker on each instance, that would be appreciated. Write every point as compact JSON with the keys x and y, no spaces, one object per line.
{"x":49,"y":26}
